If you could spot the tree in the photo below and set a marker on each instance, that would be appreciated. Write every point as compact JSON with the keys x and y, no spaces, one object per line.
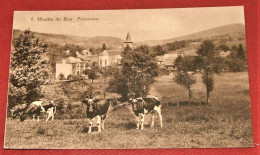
{"x":234,"y":48}
{"x":209,"y":62}
{"x":28,"y":62}
{"x":223,"y":47}
{"x":92,"y":74}
{"x":139,"y":69}
{"x":185,"y":73}
{"x":158,"y":50}
{"x":103,"y":47}
{"x":118,"y":84}
{"x":240,"y":52}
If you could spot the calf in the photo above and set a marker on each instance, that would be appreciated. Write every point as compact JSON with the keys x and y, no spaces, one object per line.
{"x":50,"y":113}
{"x":99,"y":109}
{"x":17,"y":110}
{"x":141,"y":106}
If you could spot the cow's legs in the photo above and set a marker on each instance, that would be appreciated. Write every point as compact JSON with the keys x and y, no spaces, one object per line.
{"x":89,"y":126}
{"x":103,"y":124}
{"x":137,"y":122}
{"x":38,"y":118}
{"x":153,"y":115}
{"x":99,"y":123}
{"x":33,"y":117}
{"x":49,"y":116}
{"x":158,"y":109}
{"x":160,"y":116}
{"x":142,"y":121}
{"x":52,"y":118}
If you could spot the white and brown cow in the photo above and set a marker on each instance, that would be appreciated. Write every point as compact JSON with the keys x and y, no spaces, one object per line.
{"x":36,"y":107}
{"x":97,"y":108}
{"x":141,"y":106}
{"x":17,"y":110}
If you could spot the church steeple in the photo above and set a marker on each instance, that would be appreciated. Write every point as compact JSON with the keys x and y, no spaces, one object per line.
{"x":128,"y":40}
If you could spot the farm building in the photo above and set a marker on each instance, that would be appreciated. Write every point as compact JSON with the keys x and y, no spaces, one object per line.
{"x":70,"y":66}
{"x":167,"y":60}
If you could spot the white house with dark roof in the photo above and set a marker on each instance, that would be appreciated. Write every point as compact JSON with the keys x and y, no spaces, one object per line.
{"x":70,"y":66}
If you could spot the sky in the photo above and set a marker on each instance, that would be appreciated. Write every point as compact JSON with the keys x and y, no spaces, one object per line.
{"x":142,"y":24}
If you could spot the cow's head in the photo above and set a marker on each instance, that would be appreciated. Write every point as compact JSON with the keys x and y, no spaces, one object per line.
{"x":90,"y":104}
{"x":135,"y":102}
{"x":12,"y":111}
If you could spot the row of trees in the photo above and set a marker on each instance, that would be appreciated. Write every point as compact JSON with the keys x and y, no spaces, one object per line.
{"x":208,"y":62}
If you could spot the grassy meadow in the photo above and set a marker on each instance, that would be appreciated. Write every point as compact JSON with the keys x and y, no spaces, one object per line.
{"x":226,"y":122}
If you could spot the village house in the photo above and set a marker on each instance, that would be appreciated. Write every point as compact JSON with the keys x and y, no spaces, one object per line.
{"x":109,"y":57}
{"x":70,"y":66}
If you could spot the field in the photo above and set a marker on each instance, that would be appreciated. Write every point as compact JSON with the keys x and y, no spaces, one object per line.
{"x":226,"y":122}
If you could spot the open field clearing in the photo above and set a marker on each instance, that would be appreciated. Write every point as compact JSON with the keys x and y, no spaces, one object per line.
{"x":224,"y":123}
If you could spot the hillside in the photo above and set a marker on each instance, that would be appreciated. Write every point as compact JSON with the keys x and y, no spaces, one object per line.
{"x":235,"y":31}
{"x":87,"y":42}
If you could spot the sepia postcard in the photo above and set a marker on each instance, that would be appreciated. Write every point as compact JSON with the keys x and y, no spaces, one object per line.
{"x":129,"y":79}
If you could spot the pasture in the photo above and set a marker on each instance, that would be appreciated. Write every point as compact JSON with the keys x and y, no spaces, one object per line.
{"x":224,"y":123}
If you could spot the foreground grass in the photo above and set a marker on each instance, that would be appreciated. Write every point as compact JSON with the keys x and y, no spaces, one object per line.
{"x":224,"y":123}
{"x":184,"y":127}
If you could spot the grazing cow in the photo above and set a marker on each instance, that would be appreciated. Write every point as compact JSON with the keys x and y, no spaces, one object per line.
{"x":99,"y":109}
{"x":17,"y":110}
{"x":141,"y":106}
{"x":36,"y":107}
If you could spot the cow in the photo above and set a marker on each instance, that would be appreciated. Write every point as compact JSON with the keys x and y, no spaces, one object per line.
{"x":97,"y":108}
{"x":36,"y":107}
{"x":33,"y":109}
{"x":141,"y":106}
{"x":17,"y":110}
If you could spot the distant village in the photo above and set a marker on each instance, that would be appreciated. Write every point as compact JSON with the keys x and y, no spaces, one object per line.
{"x":76,"y":65}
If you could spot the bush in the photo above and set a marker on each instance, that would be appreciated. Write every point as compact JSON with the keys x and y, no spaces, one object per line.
{"x":61,"y":77}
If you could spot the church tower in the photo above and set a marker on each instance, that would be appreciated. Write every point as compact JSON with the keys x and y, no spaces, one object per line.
{"x":128,"y":41}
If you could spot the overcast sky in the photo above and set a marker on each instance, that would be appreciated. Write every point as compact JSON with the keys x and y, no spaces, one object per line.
{"x":145,"y":24}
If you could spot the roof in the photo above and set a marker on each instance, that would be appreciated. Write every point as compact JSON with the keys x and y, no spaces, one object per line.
{"x":71,"y":60}
{"x":168,"y":59}
{"x":224,"y":54}
{"x":112,"y":52}
{"x":91,"y":58}
{"x":159,"y":58}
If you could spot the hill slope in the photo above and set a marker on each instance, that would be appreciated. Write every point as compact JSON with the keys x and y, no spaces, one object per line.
{"x":233,"y":30}
{"x":111,"y":42}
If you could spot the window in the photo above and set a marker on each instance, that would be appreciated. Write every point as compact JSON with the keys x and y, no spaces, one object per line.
{"x":105,"y":62}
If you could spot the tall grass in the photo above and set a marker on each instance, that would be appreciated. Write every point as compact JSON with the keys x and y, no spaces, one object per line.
{"x":224,"y":123}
